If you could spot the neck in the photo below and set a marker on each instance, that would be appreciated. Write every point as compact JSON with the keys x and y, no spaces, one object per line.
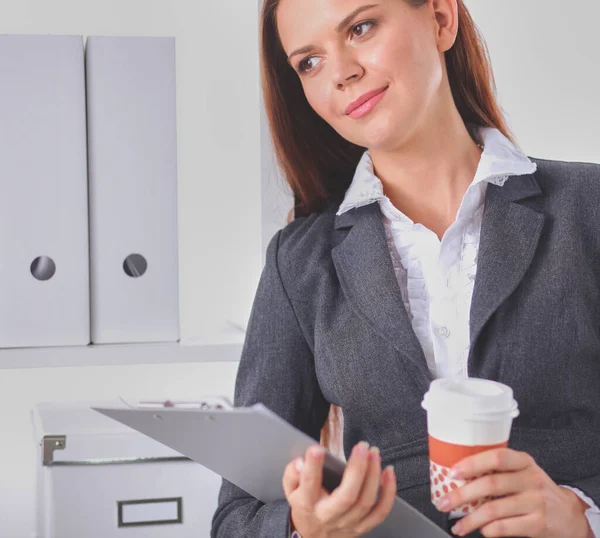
{"x":427,"y":176}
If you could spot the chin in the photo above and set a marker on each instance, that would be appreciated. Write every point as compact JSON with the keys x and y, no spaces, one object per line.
{"x":381,"y":140}
{"x":379,"y":134}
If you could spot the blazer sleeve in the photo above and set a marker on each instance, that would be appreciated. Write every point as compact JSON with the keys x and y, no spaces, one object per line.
{"x":276,"y":368}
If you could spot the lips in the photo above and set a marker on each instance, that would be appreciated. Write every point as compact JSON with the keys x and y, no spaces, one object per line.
{"x":363,"y":99}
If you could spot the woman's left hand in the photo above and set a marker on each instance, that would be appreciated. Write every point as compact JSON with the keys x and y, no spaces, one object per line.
{"x":532,"y":504}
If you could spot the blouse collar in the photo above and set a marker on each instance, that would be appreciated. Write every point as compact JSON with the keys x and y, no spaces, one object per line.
{"x":499,"y":160}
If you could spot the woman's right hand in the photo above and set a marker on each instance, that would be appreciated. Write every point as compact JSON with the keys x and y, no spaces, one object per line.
{"x":352,"y":509}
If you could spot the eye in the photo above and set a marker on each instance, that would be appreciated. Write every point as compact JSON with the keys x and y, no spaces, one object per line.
{"x":362,"y":26}
{"x":304,"y":66}
{"x":358,"y":30}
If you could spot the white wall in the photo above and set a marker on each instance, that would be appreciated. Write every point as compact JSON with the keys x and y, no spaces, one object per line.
{"x":545,"y":59}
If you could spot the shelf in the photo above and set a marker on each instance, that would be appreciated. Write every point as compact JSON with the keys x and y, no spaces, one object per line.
{"x":118,"y":354}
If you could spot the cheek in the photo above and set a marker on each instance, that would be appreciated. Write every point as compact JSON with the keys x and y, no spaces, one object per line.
{"x":321,"y":101}
{"x":424,"y":60}
{"x":412,"y":61}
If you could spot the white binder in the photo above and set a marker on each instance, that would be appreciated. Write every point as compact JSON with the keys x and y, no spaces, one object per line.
{"x":44,"y":267}
{"x":132,"y":154}
{"x":250,"y":447}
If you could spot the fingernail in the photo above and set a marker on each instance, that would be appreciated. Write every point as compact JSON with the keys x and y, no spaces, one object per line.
{"x":317,"y":451}
{"x":362,"y":448}
{"x":373,"y":453}
{"x":456,"y":473}
{"x":386,"y":476}
{"x":456,"y":529}
{"x":299,"y":464}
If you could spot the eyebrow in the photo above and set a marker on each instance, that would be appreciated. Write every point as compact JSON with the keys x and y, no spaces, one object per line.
{"x":338,"y":29}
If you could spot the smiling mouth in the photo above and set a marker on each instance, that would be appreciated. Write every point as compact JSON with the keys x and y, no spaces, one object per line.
{"x":368,"y":105}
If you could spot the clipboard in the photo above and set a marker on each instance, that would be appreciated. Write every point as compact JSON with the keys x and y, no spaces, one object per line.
{"x":250,"y":447}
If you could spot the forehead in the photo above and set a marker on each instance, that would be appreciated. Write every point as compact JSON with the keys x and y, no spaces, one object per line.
{"x":299,"y":22}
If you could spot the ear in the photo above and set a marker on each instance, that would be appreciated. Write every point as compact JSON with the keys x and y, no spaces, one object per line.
{"x":446,"y":17}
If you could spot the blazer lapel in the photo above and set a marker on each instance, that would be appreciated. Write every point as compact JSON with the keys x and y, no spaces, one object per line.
{"x":509,"y":237}
{"x":510,"y":234}
{"x":364,"y":266}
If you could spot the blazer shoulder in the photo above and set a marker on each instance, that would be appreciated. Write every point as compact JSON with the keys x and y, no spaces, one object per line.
{"x":304,"y":246}
{"x":304,"y":237}
{"x":583,"y":178}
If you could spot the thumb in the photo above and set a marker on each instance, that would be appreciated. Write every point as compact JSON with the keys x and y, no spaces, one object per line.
{"x":291,"y":476}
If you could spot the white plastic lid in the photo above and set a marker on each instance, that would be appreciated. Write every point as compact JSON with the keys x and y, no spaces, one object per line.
{"x":471,"y":398}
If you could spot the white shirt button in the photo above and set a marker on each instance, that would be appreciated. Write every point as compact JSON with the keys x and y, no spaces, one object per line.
{"x":443,"y":332}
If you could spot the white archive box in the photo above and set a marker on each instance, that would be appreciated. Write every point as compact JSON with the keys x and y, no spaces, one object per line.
{"x":100,"y":479}
{"x":44,"y":262}
{"x":132,"y":152}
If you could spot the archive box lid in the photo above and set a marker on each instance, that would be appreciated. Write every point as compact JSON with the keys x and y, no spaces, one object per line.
{"x":75,"y":434}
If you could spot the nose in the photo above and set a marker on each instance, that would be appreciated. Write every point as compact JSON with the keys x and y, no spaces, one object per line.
{"x":346,"y":69}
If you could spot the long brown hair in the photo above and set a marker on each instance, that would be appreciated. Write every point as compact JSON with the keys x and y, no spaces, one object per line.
{"x":316,"y":161}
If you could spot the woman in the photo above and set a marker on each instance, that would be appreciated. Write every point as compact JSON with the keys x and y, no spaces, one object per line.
{"x":425,"y":245}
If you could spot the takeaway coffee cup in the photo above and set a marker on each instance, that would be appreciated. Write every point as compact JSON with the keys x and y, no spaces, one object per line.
{"x":464,"y":417}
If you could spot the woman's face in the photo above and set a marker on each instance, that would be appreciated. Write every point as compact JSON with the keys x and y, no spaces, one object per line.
{"x":349,"y":48}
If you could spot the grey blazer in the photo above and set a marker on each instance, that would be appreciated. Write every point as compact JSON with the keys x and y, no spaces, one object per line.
{"x":328,"y":325}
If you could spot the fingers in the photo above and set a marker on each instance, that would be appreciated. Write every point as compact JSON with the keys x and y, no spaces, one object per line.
{"x":302,"y":484}
{"x":354,"y":504}
{"x":384,"y":505}
{"x":311,"y":475}
{"x":502,"y":511}
{"x":368,"y":495}
{"x":291,"y":477}
{"x":495,"y":460}
{"x":345,"y":496}
{"x":491,"y":485}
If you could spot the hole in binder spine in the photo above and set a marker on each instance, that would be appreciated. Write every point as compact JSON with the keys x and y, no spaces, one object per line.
{"x":135,"y":265}
{"x":43,"y":268}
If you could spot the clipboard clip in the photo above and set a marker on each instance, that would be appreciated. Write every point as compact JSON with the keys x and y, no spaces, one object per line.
{"x":212,"y":403}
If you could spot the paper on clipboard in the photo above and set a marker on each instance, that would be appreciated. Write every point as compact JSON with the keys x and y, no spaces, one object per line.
{"x":250,"y":447}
